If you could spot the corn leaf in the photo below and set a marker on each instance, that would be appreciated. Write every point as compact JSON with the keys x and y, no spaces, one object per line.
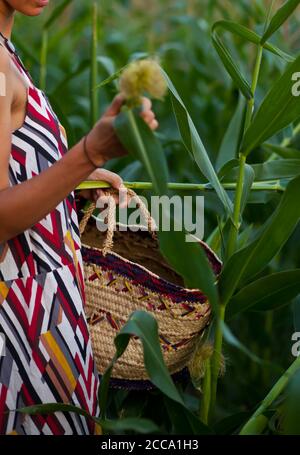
{"x":290,"y":411}
{"x":248,"y":181}
{"x":232,"y":138}
{"x":279,"y":109}
{"x":144,"y":326}
{"x":279,"y":18}
{"x":296,"y":314}
{"x":227,"y":59}
{"x":139,"y":140}
{"x":190,"y":261}
{"x":250,"y":36}
{"x":267,"y":293}
{"x":184,"y":421}
{"x":57,"y":12}
{"x":250,"y":260}
{"x":255,"y":426}
{"x":284,"y":152}
{"x":270,"y":170}
{"x":138,"y":425}
{"x":195,"y":147}
{"x":234,"y":72}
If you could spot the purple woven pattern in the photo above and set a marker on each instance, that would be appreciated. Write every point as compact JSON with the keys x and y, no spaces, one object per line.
{"x":126,"y":384}
{"x":139,"y":276}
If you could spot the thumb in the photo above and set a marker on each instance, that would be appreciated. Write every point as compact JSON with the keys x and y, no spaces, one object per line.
{"x":115,"y":107}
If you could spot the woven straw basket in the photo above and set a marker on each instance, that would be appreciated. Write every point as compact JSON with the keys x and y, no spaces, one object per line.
{"x":125,"y":272}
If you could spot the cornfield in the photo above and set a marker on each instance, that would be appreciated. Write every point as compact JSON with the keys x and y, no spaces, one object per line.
{"x":229,"y":130}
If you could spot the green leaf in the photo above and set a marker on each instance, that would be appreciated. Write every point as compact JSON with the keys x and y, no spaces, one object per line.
{"x":144,"y":326}
{"x":235,"y":342}
{"x":232,"y":138}
{"x":249,"y":261}
{"x":140,"y":425}
{"x":244,"y":236}
{"x":231,"y":66}
{"x":184,"y":421}
{"x":284,"y":152}
{"x":270,"y":170}
{"x":230,"y":424}
{"x":250,"y":36}
{"x":227,"y":59}
{"x":50,"y":408}
{"x":279,"y":18}
{"x":227,"y":168}
{"x":279,"y":108}
{"x":57,"y":12}
{"x":247,"y":185}
{"x":255,"y":426}
{"x":109,"y":66}
{"x":195,"y":147}
{"x":115,"y":75}
{"x":190,"y":261}
{"x":267,"y":293}
{"x":139,"y":140}
{"x":215,"y":238}
{"x":290,"y":414}
{"x":296,"y":314}
{"x":82,"y":66}
{"x":111,"y":78}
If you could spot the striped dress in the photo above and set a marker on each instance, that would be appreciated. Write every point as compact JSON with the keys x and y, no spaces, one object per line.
{"x":47,"y":356}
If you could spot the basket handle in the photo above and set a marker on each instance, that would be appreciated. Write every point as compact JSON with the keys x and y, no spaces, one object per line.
{"x":111,"y":219}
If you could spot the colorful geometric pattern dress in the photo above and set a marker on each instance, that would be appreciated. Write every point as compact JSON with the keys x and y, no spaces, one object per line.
{"x":48,"y":355}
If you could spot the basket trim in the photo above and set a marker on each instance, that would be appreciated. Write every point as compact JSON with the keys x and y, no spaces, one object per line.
{"x":141,"y":275}
{"x":112,"y":279}
{"x":144,"y":384}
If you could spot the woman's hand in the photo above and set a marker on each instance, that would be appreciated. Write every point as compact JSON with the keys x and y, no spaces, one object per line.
{"x":102,"y":144}
{"x":114,"y":180}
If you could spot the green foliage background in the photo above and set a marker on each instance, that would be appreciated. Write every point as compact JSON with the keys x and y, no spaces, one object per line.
{"x":180,"y":33}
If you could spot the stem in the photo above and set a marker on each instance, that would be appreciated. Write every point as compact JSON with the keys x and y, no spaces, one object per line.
{"x":233,"y":235}
{"x":271,"y":397}
{"x":43,"y":60}
{"x":206,"y":394}
{"x":94,"y":66}
{"x":216,"y":359}
{"x":257,"y":186}
{"x":235,"y":226}
{"x":250,"y":106}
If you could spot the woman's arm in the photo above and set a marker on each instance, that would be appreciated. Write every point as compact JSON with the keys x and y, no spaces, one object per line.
{"x":23,"y":205}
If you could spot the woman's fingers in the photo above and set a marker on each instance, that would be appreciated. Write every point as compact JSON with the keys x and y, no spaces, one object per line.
{"x":115,"y":181}
{"x":107,"y":176}
{"x":154,"y":124}
{"x":148,"y":115}
{"x":146,"y":104}
{"x":115,"y":107}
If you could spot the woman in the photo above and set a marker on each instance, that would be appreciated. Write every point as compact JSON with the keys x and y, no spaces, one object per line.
{"x":48,"y":355}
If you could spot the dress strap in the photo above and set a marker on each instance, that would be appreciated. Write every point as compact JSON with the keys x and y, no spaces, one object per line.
{"x":15,"y":56}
